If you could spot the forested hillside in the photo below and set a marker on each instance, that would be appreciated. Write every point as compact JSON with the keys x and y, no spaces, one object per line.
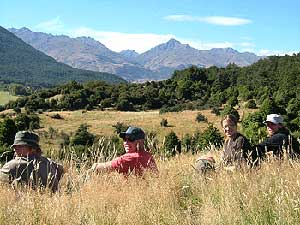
{"x":21,"y":63}
{"x":270,"y":83}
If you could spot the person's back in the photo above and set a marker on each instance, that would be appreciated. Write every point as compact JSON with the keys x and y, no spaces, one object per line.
{"x":29,"y":167}
{"x":32,"y":171}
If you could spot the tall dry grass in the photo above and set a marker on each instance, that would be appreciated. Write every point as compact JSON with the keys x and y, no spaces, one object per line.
{"x":269,"y":195}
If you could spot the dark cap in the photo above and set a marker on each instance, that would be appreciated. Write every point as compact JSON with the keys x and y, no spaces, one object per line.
{"x":134,"y":133}
{"x":27,"y":138}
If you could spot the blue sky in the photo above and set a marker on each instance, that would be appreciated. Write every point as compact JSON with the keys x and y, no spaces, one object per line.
{"x":262,"y":27}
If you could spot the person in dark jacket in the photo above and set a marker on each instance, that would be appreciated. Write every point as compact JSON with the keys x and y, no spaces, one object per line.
{"x":28,"y":167}
{"x":279,"y":139}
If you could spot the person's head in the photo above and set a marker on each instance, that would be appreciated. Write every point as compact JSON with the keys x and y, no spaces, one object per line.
{"x":26,"y":143}
{"x":273,"y":123}
{"x":229,"y":125}
{"x":133,"y":139}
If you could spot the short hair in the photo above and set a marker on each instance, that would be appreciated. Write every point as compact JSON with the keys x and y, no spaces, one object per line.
{"x":231,"y":118}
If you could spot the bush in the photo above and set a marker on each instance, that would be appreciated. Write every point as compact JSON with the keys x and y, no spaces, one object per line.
{"x":215,"y":111}
{"x":230,"y":110}
{"x":82,"y":136}
{"x":210,"y":136}
{"x":253,"y":128}
{"x":251,"y":104}
{"x":120,"y":127}
{"x":172,"y":144}
{"x":164,"y":123}
{"x":201,"y":118}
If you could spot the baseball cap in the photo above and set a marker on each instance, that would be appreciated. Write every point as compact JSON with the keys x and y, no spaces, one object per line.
{"x":133,"y":133}
{"x":274,"y":118}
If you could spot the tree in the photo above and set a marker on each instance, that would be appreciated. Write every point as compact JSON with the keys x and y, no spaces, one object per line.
{"x":172,"y":144}
{"x":82,"y":136}
{"x":210,"y":136}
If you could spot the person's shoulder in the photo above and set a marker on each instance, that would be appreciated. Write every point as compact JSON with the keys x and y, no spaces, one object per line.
{"x":241,"y":137}
{"x":12,"y":164}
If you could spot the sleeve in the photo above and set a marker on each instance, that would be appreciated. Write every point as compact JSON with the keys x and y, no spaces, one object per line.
{"x":5,"y":174}
{"x":121,"y":164}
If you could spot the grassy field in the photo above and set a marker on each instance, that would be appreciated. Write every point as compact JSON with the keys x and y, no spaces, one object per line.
{"x":101,"y":122}
{"x":179,"y":195}
{"x":269,"y":195}
{"x":5,"y":97}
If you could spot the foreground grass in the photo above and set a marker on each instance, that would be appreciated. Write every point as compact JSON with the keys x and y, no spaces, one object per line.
{"x":269,"y":195}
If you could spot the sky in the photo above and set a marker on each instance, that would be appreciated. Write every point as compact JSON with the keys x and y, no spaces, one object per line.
{"x":264,"y":27}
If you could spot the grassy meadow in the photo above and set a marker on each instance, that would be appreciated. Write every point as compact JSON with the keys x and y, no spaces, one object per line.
{"x":101,"y":122}
{"x":269,"y":195}
{"x":5,"y":97}
{"x":179,"y":195}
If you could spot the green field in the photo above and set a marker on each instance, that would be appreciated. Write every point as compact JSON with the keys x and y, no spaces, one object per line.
{"x":5,"y":97}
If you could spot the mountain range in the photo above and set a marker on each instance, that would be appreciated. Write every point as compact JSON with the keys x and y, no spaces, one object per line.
{"x":23,"y":64}
{"x":155,"y":64}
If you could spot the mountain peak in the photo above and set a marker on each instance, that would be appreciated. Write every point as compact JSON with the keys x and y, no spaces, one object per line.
{"x":172,"y":43}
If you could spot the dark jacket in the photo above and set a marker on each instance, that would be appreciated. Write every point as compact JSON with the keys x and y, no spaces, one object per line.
{"x":277,"y":143}
{"x":35,"y":171}
{"x":236,"y":151}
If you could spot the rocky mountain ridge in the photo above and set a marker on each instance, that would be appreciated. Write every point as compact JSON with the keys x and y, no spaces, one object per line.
{"x":155,"y":64}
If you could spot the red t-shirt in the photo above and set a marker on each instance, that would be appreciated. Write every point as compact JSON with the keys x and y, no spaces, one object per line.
{"x":134,"y":162}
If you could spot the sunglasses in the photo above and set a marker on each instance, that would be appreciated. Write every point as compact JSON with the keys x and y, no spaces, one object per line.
{"x":130,"y":139}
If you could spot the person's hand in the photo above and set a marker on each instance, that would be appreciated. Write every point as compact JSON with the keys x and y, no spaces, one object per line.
{"x":93,"y":168}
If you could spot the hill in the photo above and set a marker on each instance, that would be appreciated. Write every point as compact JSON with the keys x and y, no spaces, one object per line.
{"x":21,"y":63}
{"x":156,"y":64}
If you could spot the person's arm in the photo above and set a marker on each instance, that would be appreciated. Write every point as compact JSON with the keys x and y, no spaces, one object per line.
{"x":102,"y":167}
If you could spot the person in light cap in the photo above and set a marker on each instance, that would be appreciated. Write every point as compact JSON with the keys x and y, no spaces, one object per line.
{"x":28,"y":166}
{"x":135,"y":161}
{"x":279,"y":138}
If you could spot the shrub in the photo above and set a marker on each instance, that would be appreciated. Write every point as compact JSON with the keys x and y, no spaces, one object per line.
{"x":172,"y":144}
{"x":230,"y":110}
{"x":215,"y":111}
{"x":251,"y":104}
{"x":164,"y":122}
{"x":120,"y":127}
{"x":201,"y":118}
{"x":82,"y":136}
{"x":210,"y":136}
{"x":253,"y":128}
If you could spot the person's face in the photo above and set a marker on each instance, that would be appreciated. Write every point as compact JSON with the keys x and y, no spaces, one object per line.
{"x":129,"y":144}
{"x":272,"y":128}
{"x":23,"y":150}
{"x":229,"y":128}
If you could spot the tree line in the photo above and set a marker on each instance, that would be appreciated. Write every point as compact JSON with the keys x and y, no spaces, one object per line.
{"x":269,"y":84}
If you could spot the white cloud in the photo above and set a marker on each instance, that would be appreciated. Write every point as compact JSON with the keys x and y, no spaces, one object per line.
{"x":207,"y":46}
{"x":53,"y":25}
{"x":267,"y":52}
{"x":216,"y":20}
{"x":117,"y":41}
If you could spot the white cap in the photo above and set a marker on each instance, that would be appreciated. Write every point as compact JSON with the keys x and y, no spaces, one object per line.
{"x":274,"y":118}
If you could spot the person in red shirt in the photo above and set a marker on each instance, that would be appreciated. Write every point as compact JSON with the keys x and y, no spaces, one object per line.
{"x":135,"y":161}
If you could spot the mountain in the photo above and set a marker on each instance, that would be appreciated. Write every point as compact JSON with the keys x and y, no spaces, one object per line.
{"x":174,"y":55}
{"x":157,"y":63}
{"x":21,"y":63}
{"x":83,"y":53}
